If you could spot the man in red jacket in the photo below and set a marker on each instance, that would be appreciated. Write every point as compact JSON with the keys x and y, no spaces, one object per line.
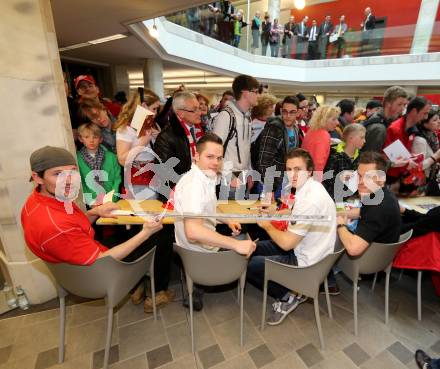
{"x":404,"y":129}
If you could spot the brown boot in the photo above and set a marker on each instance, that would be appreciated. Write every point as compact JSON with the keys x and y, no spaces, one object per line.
{"x":162,"y":298}
{"x":138,"y":295}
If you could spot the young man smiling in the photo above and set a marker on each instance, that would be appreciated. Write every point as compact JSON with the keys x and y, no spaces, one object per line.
{"x":304,"y":243}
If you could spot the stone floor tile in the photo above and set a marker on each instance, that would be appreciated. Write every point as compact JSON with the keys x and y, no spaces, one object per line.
{"x":411,"y":329}
{"x":220,"y":307}
{"x":356,"y":354}
{"x":87,"y":312}
{"x":401,"y":352}
{"x":79,"y":362}
{"x":5,"y":352}
{"x":160,"y":356}
{"x":179,"y":336}
{"x":242,"y":361}
{"x":335,"y":360}
{"x":88,"y":337}
{"x":289,"y":361}
{"x":138,"y":362}
{"x":210,"y":356}
{"x":174,"y":313}
{"x":129,"y":313}
{"x":227,"y":336}
{"x":46,"y":315}
{"x":310,"y":355}
{"x":98,"y":357}
{"x":261,"y":355}
{"x":385,"y":360}
{"x":141,"y":337}
{"x":436,"y":347}
{"x":185,"y":362}
{"x":47,"y":359}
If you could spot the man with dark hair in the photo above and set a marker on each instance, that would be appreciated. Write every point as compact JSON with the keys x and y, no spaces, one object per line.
{"x":304,"y":243}
{"x":290,"y":31}
{"x":280,"y":134}
{"x":195,"y":193}
{"x":313,"y":35}
{"x":303,"y":112}
{"x":345,"y":118}
{"x":372,"y":107}
{"x":325,"y":30}
{"x":233,"y":126}
{"x":301,"y":43}
{"x":379,"y":216}
{"x":394,"y":100}
{"x":404,"y":129}
{"x":228,"y":95}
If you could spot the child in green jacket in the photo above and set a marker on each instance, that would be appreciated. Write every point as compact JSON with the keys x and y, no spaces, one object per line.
{"x":99,"y":167}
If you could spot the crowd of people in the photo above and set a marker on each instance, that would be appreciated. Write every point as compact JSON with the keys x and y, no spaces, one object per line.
{"x":303,"y":156}
{"x":300,"y":39}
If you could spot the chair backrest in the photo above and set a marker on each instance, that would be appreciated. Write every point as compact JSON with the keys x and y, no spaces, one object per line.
{"x":303,"y":280}
{"x":377,"y":257}
{"x":106,"y":277}
{"x":212,"y":268}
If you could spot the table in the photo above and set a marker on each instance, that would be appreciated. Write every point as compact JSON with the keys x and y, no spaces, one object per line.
{"x":235,"y":207}
{"x":414,"y":202}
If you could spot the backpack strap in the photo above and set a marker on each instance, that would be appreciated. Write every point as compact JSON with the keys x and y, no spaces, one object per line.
{"x":232,"y":132}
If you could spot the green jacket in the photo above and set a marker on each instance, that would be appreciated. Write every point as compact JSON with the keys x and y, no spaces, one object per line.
{"x":111,"y":166}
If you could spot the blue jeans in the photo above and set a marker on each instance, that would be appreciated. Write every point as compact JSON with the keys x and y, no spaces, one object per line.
{"x":236,"y":40}
{"x":255,"y":269}
{"x":435,"y":364}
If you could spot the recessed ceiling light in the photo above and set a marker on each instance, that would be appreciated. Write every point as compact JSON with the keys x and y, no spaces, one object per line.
{"x":299,"y":4}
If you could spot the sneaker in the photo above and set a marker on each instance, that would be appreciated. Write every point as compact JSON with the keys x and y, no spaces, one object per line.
{"x":280,"y":309}
{"x":197,"y":300}
{"x":332,"y":290}
{"x":138,"y":294}
{"x":423,"y":360}
{"x":162,"y":298}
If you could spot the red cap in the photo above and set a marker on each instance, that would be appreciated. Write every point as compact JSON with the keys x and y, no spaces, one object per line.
{"x":84,"y":77}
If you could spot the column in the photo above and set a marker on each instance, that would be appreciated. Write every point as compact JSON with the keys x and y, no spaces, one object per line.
{"x":274,"y":9}
{"x":424,"y":26}
{"x":120,"y":79}
{"x":153,"y":76}
{"x":34,"y":113}
{"x":412,"y":90}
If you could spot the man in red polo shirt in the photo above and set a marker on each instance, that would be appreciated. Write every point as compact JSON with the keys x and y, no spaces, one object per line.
{"x":87,"y":88}
{"x":404,"y":129}
{"x":55,"y":228}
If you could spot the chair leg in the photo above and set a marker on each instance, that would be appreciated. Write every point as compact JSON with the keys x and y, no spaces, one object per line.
{"x":263,"y":313}
{"x":190,"y":288}
{"x":62,"y":329}
{"x":419,"y":295}
{"x":387,"y":294}
{"x":108,"y":339}
{"x":241,"y":284}
{"x":355,"y":306}
{"x":153,"y":293}
{"x":374,"y":282}
{"x":318,"y":322}
{"x":327,"y":297}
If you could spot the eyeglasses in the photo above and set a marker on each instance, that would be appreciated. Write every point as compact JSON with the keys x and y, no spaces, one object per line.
{"x":288,"y":112}
{"x":191,"y":111}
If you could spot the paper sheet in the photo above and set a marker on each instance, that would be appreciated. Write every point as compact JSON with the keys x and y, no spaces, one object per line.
{"x":396,"y":150}
{"x":139,"y":118}
{"x":108,"y":197}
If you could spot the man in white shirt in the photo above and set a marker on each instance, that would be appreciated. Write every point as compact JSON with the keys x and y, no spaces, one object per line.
{"x":304,"y":243}
{"x":195,"y":193}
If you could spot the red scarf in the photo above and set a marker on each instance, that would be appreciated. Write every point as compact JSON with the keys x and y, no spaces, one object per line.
{"x":198,"y":133}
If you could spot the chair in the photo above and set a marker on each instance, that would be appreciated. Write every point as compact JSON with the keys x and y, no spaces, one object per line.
{"x":212,"y":269}
{"x":303,"y":280}
{"x":106,"y":277}
{"x":378,"y":257}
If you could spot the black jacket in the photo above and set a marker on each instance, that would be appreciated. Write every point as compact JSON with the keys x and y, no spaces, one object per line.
{"x":376,"y":134}
{"x":370,"y":23}
{"x":172,"y":142}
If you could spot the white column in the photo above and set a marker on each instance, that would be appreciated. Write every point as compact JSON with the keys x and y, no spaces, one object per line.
{"x":34,"y":113}
{"x":274,"y":9}
{"x":424,"y":26}
{"x":120,"y":79}
{"x":412,"y":90}
{"x":153,"y":76}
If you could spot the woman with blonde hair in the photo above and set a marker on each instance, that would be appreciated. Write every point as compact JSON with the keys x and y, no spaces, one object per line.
{"x":133,"y":143}
{"x":317,"y":139}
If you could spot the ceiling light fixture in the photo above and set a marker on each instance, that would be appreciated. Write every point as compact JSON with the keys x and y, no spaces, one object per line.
{"x":94,"y":42}
{"x":299,"y":4}
{"x":153,"y":30}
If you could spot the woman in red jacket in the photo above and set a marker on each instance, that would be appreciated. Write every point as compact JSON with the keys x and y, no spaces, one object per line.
{"x":317,"y":139}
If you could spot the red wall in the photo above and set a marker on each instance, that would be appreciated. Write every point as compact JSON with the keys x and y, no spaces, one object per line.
{"x":400,"y":24}
{"x":434,"y":46}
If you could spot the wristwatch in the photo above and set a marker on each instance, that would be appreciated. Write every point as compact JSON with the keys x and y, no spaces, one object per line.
{"x":341,"y":225}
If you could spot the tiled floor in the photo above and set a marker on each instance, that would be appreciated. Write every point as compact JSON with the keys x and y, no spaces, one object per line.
{"x":139,"y":342}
